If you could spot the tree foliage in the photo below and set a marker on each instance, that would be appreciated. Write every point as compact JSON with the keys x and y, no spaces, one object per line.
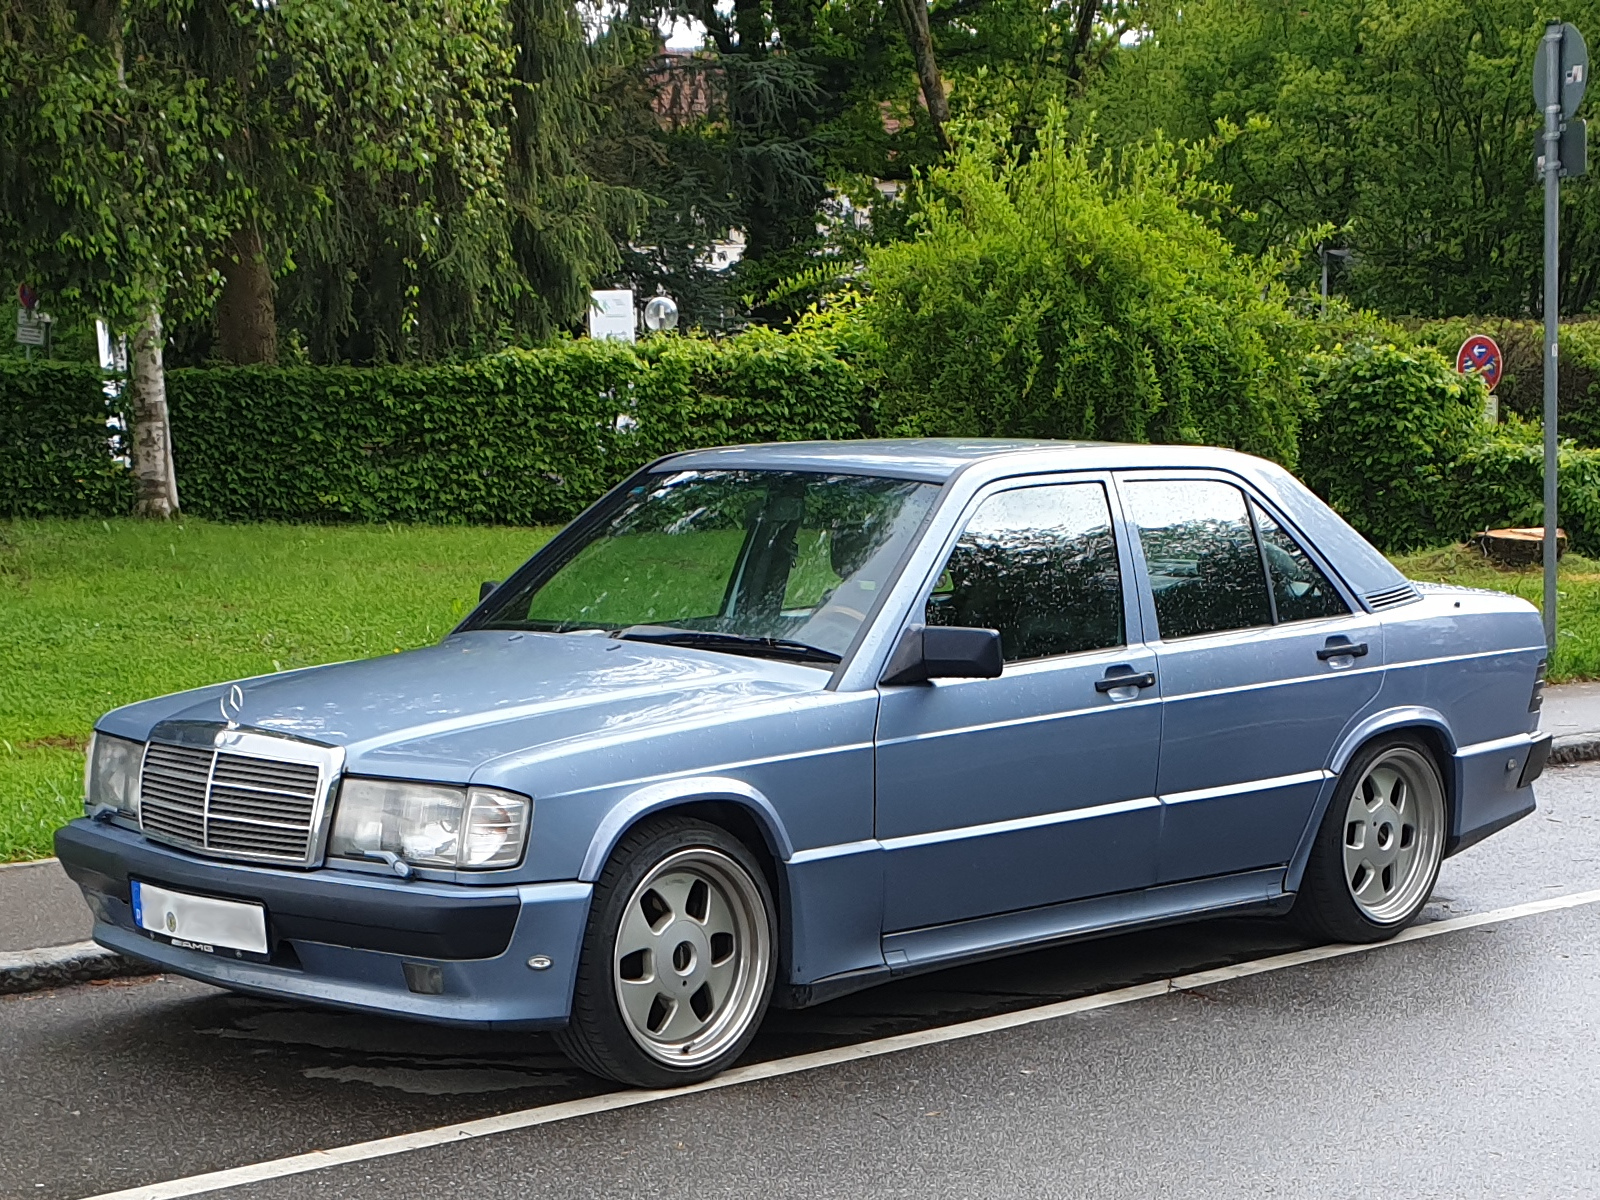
{"x":1407,"y":126}
{"x":1070,"y":296}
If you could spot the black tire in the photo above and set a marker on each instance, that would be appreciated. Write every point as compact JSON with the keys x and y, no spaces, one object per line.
{"x":1326,"y":907}
{"x":599,"y":1036}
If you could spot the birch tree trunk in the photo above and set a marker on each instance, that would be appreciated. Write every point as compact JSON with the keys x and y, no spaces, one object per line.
{"x":152,"y":430}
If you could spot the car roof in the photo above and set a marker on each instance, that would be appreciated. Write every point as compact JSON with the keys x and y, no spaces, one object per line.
{"x":937,"y":459}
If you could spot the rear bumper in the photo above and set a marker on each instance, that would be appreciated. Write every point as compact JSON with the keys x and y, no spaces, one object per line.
{"x":346,"y":939}
{"x":1494,"y":786}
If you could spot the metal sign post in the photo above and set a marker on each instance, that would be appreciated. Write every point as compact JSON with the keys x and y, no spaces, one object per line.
{"x":1560,"y":76}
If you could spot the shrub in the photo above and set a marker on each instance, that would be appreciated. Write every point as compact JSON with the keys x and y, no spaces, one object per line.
{"x":1064,"y":296}
{"x":1500,"y":482}
{"x":518,"y":437}
{"x":1389,"y":427}
{"x":56,"y":452}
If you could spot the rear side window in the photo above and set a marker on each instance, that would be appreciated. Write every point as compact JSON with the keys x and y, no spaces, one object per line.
{"x":1040,"y":565}
{"x":1205,"y":568}
{"x":1300,"y":591}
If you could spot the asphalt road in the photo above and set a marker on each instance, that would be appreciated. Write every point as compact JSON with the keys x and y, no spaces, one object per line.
{"x":1458,"y":1066}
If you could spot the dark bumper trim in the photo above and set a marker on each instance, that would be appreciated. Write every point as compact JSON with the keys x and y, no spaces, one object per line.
{"x":1538,"y":756}
{"x":437,"y":921}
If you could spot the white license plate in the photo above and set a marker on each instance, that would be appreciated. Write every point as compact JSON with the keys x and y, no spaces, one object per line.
{"x":200,"y":922}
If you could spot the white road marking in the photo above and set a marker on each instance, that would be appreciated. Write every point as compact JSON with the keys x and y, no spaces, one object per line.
{"x":528,"y":1118}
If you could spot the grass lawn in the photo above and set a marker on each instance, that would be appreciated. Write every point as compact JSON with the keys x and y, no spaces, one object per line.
{"x":94,"y":614}
{"x":1577,"y":653}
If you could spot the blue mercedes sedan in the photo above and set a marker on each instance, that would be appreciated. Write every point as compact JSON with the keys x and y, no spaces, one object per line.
{"x":769,"y":724}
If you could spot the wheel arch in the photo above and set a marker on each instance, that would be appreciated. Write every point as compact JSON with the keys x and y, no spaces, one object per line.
{"x":1426,"y":724}
{"x":730,"y":803}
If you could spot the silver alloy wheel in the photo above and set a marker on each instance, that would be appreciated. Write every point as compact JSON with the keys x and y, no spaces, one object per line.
{"x":1393,"y":834}
{"x":691,"y":957}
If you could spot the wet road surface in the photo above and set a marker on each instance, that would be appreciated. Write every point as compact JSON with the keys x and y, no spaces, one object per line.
{"x":1463,"y":1065}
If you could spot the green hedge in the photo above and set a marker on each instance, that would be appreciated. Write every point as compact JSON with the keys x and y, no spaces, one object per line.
{"x":1500,"y":482}
{"x":514,"y":438}
{"x":56,"y":453}
{"x":1398,"y":445}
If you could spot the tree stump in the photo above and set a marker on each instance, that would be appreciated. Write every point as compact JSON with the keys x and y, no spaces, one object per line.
{"x":1518,"y":547}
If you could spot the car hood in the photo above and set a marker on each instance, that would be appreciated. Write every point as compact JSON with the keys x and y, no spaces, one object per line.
{"x":444,"y":710}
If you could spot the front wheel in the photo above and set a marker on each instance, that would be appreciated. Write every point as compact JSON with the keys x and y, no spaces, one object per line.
{"x":677,"y":963}
{"x":1377,"y":854}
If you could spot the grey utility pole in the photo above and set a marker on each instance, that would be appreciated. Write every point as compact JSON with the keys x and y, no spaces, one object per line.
{"x":1326,"y":253}
{"x":1560,"y":75}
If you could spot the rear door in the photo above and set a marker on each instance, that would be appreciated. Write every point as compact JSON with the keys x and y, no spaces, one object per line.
{"x":1263,"y":660}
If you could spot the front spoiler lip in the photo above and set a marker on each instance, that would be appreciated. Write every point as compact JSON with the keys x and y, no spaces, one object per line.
{"x":365,"y":912}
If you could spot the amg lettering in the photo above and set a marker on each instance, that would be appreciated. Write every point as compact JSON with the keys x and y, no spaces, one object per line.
{"x":179,"y":942}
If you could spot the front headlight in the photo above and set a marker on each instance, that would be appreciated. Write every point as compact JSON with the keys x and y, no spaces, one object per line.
{"x":111,"y":775}
{"x":429,"y":824}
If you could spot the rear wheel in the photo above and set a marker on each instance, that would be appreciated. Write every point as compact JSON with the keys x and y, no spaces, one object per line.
{"x":1377,"y":854}
{"x":678,"y":959}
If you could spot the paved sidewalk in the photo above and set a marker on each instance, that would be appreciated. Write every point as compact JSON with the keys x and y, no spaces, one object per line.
{"x":42,"y":911}
{"x":1571,"y":708}
{"x":40,"y":906}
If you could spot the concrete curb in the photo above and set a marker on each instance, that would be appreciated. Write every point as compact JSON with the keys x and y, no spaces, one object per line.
{"x":59,"y":966}
{"x":1575,"y":748}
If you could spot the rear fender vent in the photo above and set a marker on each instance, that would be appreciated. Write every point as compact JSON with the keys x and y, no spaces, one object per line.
{"x":1392,"y":597}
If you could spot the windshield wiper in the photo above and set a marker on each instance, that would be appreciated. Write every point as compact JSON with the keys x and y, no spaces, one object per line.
{"x":732,"y":643}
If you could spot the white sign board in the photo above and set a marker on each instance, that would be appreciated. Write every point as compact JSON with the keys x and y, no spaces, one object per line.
{"x":31,"y":327}
{"x":611,"y":315}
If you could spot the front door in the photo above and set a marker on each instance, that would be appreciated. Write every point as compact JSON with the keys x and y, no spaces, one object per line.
{"x":1263,"y":663}
{"x":1002,"y":794}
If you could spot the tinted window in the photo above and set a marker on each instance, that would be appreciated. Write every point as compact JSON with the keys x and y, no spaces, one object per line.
{"x":1205,"y":569}
{"x":1299,"y":590}
{"x":1040,"y":565}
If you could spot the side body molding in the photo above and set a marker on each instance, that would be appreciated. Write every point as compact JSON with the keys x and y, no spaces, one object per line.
{"x":670,"y":793}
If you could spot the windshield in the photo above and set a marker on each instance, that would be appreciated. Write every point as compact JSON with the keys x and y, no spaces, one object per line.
{"x":776,"y":555}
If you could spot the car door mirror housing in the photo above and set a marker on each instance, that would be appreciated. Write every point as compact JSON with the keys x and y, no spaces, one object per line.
{"x":486,"y":588}
{"x":944,"y":652}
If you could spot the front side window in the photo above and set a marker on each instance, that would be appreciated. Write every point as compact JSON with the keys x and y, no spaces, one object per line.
{"x":1040,"y":565}
{"x":1205,"y":569}
{"x":755,"y":555}
{"x":1300,"y":592}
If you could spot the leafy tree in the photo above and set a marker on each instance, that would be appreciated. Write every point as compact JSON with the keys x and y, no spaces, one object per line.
{"x":1058,"y":296}
{"x":1407,"y":125}
{"x":103,"y":147}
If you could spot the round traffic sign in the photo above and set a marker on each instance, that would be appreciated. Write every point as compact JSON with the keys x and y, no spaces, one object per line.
{"x":1480,"y":356}
{"x":1571,"y":74}
{"x":27,"y":296}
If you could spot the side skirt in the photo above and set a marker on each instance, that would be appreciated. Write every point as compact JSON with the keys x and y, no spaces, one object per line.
{"x":1248,"y":893}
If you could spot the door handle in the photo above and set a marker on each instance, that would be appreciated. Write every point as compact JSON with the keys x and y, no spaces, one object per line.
{"x":1129,"y":679}
{"x":1342,"y":650}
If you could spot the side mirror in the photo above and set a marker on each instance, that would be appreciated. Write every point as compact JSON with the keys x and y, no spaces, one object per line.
{"x":944,"y":652}
{"x":486,"y":588}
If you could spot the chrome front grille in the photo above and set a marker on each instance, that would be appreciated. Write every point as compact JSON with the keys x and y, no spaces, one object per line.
{"x":233,"y":805}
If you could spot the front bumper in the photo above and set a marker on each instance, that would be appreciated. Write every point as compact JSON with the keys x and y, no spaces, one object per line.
{"x":345,"y":939}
